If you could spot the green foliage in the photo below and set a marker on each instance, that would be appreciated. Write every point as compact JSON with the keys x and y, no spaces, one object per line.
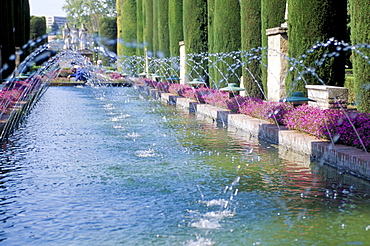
{"x":155,"y":26}
{"x":195,"y":28}
{"x":108,"y":32}
{"x":88,"y":12}
{"x":316,"y":22}
{"x":148,"y":25}
{"x":226,"y":37}
{"x":128,"y":27}
{"x":175,"y":26}
{"x":359,"y":10}
{"x":250,"y":13}
{"x":140,"y":28}
{"x":37,"y":27}
{"x":272,"y":15}
{"x":163,"y":29}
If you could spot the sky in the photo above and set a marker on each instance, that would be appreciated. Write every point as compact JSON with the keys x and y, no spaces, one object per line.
{"x":47,"y":7}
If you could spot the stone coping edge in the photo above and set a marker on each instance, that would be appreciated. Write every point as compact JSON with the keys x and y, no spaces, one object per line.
{"x":346,"y":158}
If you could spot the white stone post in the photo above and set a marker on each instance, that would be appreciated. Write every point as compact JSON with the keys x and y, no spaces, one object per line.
{"x":146,"y":61}
{"x":277,"y":64}
{"x":182,"y":62}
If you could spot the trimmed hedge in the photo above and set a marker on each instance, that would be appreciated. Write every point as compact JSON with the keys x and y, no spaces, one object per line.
{"x":128,"y":27}
{"x":250,"y":13}
{"x":360,"y":34}
{"x":308,"y":24}
{"x":163,"y":29}
{"x":226,"y":38}
{"x":272,"y":15}
{"x":175,"y":26}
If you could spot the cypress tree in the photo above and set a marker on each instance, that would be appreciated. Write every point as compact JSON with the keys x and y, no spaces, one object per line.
{"x":195,"y":29}
{"x":272,"y":15}
{"x":128,"y":27}
{"x":359,"y":10}
{"x":226,"y":35}
{"x":175,"y":26}
{"x":250,"y":13}
{"x":195,"y":26}
{"x":148,"y":25}
{"x":140,"y":28}
{"x":7,"y":41}
{"x":163,"y":30}
{"x":108,"y":31}
{"x":155,"y":26}
{"x":308,"y":24}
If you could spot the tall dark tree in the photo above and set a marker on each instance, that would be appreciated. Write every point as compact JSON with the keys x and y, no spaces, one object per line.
{"x":7,"y":40}
{"x":108,"y":32}
{"x":195,"y":28}
{"x":251,"y":38}
{"x":140,"y":28}
{"x":128,"y":27}
{"x":226,"y":37}
{"x":148,"y":26}
{"x":163,"y":29}
{"x":327,"y":19}
{"x":175,"y":26}
{"x":272,"y":15}
{"x":359,"y":10}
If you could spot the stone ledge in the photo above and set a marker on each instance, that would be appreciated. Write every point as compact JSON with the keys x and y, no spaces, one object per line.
{"x":350,"y":159}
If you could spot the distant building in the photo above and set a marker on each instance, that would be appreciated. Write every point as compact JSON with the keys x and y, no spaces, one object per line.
{"x":57,"y":19}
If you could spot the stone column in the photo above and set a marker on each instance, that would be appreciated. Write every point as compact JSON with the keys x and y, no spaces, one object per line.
{"x":182,"y":62}
{"x":277,"y":64}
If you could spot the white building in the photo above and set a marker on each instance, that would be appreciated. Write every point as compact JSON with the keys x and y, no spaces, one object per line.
{"x":57,"y":19}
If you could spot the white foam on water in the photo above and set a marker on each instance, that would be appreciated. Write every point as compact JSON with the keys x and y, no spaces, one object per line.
{"x":200,"y":241}
{"x":145,"y":153}
{"x":206,"y":224}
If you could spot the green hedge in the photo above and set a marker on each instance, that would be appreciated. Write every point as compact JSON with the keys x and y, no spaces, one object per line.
{"x":148,"y":25}
{"x":140,"y":28}
{"x":272,"y":15}
{"x":308,"y":24}
{"x":250,"y":13}
{"x":163,"y":31}
{"x":175,"y":26}
{"x":359,"y":10}
{"x":128,"y":27}
{"x":226,"y":38}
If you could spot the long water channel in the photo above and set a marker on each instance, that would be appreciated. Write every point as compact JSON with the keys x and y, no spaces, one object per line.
{"x":108,"y":166}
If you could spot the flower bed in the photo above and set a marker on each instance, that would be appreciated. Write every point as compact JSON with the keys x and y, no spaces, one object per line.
{"x":341,"y":126}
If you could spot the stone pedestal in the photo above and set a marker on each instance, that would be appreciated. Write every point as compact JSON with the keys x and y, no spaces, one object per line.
{"x":327,"y":96}
{"x":277,"y":64}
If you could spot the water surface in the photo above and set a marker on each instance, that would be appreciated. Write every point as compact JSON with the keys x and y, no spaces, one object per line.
{"x":106,"y":166}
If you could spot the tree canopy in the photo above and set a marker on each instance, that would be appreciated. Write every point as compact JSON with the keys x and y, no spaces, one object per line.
{"x":88,"y":12}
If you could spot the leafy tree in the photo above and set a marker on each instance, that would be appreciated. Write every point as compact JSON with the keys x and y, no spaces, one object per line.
{"x":37,"y":27}
{"x":54,"y":28}
{"x":88,"y":12}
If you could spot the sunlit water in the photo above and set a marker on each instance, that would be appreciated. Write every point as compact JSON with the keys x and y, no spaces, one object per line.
{"x":105,"y":166}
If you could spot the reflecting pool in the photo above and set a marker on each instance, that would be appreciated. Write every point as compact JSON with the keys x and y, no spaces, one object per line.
{"x":108,"y":166}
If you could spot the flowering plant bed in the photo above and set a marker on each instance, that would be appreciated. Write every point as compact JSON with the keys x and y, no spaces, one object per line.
{"x":341,"y":126}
